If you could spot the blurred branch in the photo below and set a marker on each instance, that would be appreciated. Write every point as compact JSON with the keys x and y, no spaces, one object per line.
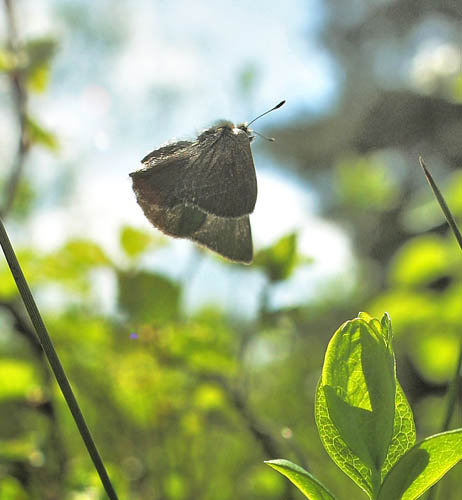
{"x":236,"y":397}
{"x":20,"y":100}
{"x":21,"y":325}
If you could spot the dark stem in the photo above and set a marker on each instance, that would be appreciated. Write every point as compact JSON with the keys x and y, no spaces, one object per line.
{"x":53,"y":359}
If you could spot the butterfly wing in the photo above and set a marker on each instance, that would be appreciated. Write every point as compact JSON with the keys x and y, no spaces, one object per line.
{"x":230,"y":238}
{"x":220,"y":177}
{"x":202,"y":190}
{"x":156,"y":183}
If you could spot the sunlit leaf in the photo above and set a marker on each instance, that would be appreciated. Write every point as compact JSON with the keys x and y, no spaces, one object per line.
{"x":38,"y":135}
{"x":279,"y":260}
{"x":38,"y":80}
{"x":364,"y":420}
{"x":435,"y":353}
{"x":422,"y":466}
{"x":209,"y":397}
{"x":16,"y":378}
{"x":311,"y":487}
{"x":420,"y":261}
{"x":404,"y":434}
{"x":12,"y":489}
{"x":39,"y":52}
{"x":134,"y":241}
{"x":359,"y":384}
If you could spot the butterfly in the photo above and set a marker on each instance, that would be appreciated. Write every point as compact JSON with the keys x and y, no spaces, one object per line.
{"x":203,"y":190}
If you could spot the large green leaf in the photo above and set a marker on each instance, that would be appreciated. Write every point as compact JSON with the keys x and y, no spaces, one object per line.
{"x":403,"y":431}
{"x":303,"y":480}
{"x":364,"y":420}
{"x":422,"y":466}
{"x":359,"y":384}
{"x":336,"y":447}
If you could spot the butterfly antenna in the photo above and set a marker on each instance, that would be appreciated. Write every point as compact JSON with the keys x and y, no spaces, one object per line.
{"x":265,"y":113}
{"x":270,"y":139}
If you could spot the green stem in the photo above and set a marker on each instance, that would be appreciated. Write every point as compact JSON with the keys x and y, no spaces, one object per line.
{"x":454,"y":385}
{"x":53,"y":359}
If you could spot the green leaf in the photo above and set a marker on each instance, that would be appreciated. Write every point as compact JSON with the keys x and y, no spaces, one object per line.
{"x":359,"y":384}
{"x":39,"y":52}
{"x":70,"y":265}
{"x":303,"y":480}
{"x":279,"y":260}
{"x":148,"y":297}
{"x":38,"y":135}
{"x":422,"y":466}
{"x":17,"y":378}
{"x":38,"y":80}
{"x":336,"y":447}
{"x":403,"y":431}
{"x":134,"y":241}
{"x":404,"y":437}
{"x":420,"y":261}
{"x":355,"y":402}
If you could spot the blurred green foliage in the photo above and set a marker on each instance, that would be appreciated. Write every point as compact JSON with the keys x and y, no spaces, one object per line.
{"x":188,"y":406}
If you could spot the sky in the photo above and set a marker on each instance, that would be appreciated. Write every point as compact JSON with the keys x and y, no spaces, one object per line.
{"x":132,"y":75}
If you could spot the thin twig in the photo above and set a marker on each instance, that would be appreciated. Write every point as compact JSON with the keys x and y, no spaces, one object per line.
{"x":444,"y":207}
{"x":20,"y":99}
{"x":53,"y":359}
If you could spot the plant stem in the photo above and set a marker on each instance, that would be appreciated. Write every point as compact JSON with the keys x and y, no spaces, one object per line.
{"x":53,"y":359}
{"x":454,"y":385}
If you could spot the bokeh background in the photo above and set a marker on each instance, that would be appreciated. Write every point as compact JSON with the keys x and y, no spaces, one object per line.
{"x":190,"y":370}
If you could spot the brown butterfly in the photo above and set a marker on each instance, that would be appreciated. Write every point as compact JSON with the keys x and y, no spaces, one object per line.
{"x":203,"y":190}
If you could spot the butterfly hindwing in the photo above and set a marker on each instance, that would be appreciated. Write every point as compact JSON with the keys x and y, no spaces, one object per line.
{"x":230,"y":238}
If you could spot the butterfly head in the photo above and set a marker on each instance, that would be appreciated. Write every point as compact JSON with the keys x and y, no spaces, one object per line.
{"x":245,"y":128}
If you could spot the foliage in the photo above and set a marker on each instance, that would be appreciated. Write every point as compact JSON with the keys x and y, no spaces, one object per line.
{"x":366,"y":423}
{"x":188,"y":405}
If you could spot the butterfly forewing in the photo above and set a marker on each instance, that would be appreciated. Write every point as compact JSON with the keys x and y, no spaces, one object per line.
{"x":221,"y":178}
{"x":156,"y":183}
{"x":215,"y":173}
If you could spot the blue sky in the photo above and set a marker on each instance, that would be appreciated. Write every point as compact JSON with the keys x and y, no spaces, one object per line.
{"x":145,"y":72}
